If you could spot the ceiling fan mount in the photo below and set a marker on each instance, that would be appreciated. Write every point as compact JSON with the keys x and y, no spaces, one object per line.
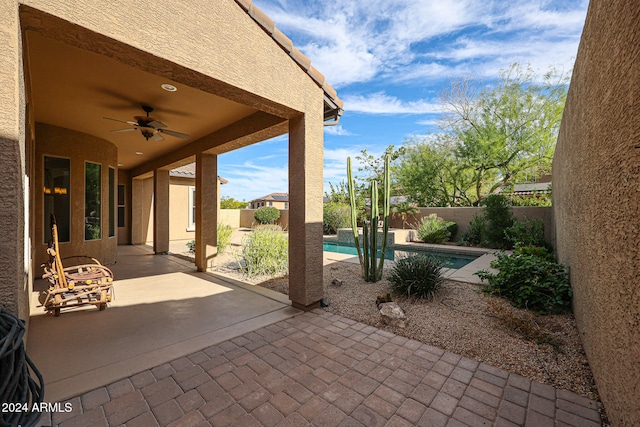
{"x":150,"y":128}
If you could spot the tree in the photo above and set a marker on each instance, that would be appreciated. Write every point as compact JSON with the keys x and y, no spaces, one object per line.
{"x":231,"y":203}
{"x":403,"y":209}
{"x":489,"y":138}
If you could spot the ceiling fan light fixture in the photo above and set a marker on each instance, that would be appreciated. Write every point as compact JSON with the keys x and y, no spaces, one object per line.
{"x":168,"y":87}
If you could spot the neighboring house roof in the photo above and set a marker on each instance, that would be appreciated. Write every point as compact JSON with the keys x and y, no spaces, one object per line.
{"x":273,"y":197}
{"x":529,"y":189}
{"x":189,"y":171}
{"x":333,"y":105}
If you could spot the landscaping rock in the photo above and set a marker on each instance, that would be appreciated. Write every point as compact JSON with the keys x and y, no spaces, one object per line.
{"x":337,"y":282}
{"x":393,"y":315}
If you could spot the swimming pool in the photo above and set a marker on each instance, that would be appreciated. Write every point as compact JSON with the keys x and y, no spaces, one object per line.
{"x":449,"y":259}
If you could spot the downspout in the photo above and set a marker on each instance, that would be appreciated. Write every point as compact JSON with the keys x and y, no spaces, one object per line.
{"x":332,"y":112}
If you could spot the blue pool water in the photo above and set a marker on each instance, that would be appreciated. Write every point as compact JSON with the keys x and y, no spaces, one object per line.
{"x":449,"y":259}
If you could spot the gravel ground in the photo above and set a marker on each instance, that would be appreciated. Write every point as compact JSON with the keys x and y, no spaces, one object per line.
{"x":463,"y":320}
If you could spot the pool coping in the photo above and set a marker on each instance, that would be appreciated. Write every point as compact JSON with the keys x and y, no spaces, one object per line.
{"x":465,"y":274}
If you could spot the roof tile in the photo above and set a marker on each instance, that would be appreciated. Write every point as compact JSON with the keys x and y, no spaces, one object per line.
{"x":300,"y":58}
{"x":316,"y":75}
{"x":284,"y":41}
{"x":245,"y":4}
{"x":262,"y":19}
{"x":287,"y":45}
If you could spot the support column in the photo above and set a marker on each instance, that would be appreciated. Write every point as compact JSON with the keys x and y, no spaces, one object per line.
{"x":207,"y":207}
{"x":305,"y":211}
{"x":138,"y":225}
{"x":161,"y":211}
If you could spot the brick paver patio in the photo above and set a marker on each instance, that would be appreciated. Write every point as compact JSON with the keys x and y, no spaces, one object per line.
{"x":322,"y":369}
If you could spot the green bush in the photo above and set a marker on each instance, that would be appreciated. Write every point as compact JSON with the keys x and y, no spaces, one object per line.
{"x":416,"y":275}
{"x":473,"y":236}
{"x":336,"y":215}
{"x":539,"y":251}
{"x":266,"y":215}
{"x":265,"y":251}
{"x":224,"y":239}
{"x":529,"y":281}
{"x":498,"y":216}
{"x":529,"y":232}
{"x":433,"y":229}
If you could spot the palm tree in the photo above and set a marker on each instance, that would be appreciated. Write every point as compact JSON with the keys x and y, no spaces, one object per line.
{"x":403,"y":209}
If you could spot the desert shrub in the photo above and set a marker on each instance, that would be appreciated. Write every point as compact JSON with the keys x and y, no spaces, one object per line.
{"x":265,"y":251}
{"x":417,"y":275}
{"x":452,"y":227}
{"x":529,"y":232}
{"x":498,"y":216}
{"x":473,"y":236}
{"x":539,"y":251}
{"x":336,"y":215}
{"x":487,"y":228}
{"x":224,"y":239}
{"x":266,"y":215}
{"x":529,"y":281}
{"x":433,"y":229}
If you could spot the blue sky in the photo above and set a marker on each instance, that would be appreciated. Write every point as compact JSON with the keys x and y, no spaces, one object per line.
{"x":389,"y":60}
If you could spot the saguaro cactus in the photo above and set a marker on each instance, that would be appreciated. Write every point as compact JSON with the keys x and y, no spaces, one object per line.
{"x":368,"y":254}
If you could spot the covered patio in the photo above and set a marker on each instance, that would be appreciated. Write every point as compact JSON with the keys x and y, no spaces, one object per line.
{"x":163,"y":310}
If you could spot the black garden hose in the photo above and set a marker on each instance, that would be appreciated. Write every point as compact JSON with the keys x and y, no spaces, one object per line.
{"x":19,"y":392}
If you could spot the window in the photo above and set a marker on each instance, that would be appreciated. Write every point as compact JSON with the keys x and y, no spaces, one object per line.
{"x":112,"y":202}
{"x":92,"y":195}
{"x":270,"y":203}
{"x":286,"y":205}
{"x":121,"y":205}
{"x":192,"y":209}
{"x":56,"y":197}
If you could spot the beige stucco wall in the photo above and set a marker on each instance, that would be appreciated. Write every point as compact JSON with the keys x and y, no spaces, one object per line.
{"x":247,"y":219}
{"x":463,"y":216}
{"x":78,"y":147}
{"x":15,"y":262}
{"x":596,"y":192}
{"x":229,"y":53}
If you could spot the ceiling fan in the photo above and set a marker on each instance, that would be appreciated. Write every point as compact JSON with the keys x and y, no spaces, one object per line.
{"x":149,"y":127}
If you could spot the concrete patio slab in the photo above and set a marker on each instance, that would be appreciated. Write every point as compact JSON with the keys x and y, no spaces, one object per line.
{"x":162,"y":310}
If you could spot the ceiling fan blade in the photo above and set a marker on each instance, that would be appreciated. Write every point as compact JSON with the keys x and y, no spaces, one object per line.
{"x":157,"y":125}
{"x":123,"y":130}
{"x":157,"y":137}
{"x":121,"y":121}
{"x":174,"y":133}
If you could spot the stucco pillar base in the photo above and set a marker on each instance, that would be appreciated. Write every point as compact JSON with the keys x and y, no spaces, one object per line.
{"x":305,"y":307}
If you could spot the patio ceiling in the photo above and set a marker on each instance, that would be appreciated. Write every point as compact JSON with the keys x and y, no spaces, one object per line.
{"x":75,"y":88}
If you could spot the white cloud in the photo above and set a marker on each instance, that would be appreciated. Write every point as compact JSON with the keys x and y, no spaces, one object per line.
{"x":352,"y":41}
{"x":337,"y":131}
{"x":381,"y":103}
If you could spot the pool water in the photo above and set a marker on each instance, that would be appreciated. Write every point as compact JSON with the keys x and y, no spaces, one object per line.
{"x":449,"y":259}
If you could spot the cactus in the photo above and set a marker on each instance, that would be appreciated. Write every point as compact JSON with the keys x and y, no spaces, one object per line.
{"x":371,"y":266}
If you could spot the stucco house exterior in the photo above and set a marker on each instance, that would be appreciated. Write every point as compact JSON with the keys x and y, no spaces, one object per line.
{"x":78,"y":140}
{"x":272,"y":200}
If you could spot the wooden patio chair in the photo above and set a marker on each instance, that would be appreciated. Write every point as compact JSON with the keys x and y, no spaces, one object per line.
{"x":85,"y":284}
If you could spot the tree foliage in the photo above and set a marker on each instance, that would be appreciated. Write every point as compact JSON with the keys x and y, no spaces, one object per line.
{"x":490,"y":138}
{"x":231,"y":203}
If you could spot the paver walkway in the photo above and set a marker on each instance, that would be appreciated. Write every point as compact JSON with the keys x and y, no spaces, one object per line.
{"x":325,"y":370}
